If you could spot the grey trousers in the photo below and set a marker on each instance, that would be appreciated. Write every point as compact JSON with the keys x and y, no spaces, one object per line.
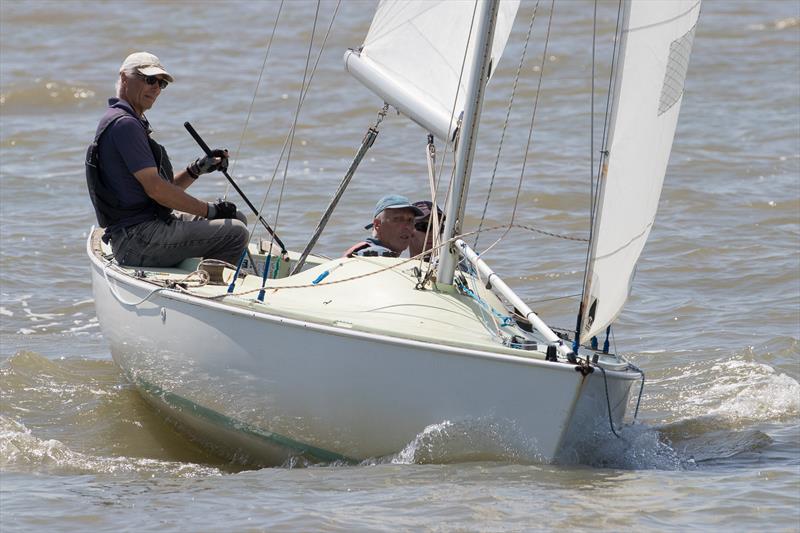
{"x":159,"y":243}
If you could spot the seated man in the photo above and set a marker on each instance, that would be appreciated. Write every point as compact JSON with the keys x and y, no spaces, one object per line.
{"x":149,"y":218}
{"x":392,"y":226}
{"x":422,"y":238}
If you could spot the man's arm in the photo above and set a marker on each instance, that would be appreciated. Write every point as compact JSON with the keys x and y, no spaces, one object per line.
{"x":182,"y":180}
{"x":171,"y":195}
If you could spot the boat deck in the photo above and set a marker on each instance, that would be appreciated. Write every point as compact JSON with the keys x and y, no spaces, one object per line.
{"x":374,"y":295}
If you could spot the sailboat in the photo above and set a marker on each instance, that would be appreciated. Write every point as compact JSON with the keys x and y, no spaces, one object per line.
{"x":281,"y":362}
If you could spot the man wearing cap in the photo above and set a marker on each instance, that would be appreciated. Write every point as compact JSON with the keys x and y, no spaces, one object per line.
{"x":134,"y":190}
{"x":392,"y":227}
{"x":422,"y":238}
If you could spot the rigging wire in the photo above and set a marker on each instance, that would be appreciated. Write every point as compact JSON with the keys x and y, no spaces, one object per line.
{"x":304,"y":92}
{"x":296,"y":116}
{"x":505,"y":122}
{"x":255,"y":92}
{"x":591,"y":120}
{"x":530,"y":130}
{"x":595,"y":178}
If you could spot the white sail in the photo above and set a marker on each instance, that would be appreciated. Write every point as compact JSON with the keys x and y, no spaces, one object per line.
{"x":655,"y":46}
{"x":413,"y":54}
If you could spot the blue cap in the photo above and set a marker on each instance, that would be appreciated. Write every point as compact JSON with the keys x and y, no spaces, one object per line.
{"x":393,"y":201}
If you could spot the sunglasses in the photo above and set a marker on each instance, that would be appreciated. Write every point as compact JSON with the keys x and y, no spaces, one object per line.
{"x":152,"y":80}
{"x":423,"y":227}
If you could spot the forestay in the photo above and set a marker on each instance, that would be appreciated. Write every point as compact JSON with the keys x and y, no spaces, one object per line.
{"x":656,"y":41}
{"x":413,"y":54}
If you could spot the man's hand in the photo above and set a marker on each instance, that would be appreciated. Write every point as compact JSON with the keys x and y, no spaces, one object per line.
{"x":218,"y":160}
{"x":221,"y":209}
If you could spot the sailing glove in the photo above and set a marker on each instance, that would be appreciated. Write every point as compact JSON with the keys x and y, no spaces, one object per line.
{"x":218,"y":160}
{"x":221,"y":209}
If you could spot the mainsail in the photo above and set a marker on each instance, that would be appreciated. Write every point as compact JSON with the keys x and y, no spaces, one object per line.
{"x":413,"y":54}
{"x":656,"y":42}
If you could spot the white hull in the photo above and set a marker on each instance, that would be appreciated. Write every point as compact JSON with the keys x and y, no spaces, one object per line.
{"x":263,"y":387}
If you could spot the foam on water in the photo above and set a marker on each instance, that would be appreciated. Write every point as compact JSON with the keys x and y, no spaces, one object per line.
{"x":477,"y":439}
{"x":20,"y":449}
{"x":740,"y":392}
{"x":89,"y":403}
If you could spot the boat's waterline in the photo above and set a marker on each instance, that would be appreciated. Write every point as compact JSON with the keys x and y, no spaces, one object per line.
{"x":264,"y":388}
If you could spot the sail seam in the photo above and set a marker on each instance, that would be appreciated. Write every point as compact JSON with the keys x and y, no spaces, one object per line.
{"x":632,"y":240}
{"x":662,"y":22}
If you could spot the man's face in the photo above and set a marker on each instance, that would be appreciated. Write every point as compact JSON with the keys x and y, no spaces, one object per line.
{"x":394,"y":228}
{"x":138,"y":93}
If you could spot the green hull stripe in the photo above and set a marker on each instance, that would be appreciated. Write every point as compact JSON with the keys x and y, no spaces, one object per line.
{"x":297,"y":448}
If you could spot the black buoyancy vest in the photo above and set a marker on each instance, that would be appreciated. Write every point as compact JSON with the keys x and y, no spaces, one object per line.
{"x":107,"y":206}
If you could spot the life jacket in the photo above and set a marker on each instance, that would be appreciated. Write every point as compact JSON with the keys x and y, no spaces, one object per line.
{"x":107,"y":207}
{"x":356,"y":247}
{"x":353,"y":250}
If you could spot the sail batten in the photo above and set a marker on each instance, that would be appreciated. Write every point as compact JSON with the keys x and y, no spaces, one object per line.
{"x":414,"y":54}
{"x":657,"y":38}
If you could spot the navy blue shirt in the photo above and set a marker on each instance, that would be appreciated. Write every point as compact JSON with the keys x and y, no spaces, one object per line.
{"x":123,"y":150}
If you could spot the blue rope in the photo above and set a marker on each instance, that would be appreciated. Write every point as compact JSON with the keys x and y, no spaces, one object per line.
{"x":576,"y":340}
{"x":238,"y":269}
{"x":605,"y":344}
{"x":505,"y":319}
{"x":264,"y":278}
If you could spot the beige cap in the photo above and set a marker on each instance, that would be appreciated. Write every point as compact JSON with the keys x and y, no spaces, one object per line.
{"x":146,"y":64}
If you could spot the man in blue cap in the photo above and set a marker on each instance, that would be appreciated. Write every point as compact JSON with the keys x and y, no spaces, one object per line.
{"x":392,"y":228}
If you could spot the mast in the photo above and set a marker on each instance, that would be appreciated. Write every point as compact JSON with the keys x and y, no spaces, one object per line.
{"x":454,"y":212}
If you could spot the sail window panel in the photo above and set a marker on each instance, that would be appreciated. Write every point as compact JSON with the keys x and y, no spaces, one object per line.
{"x":657,"y":39}
{"x":677,"y":65}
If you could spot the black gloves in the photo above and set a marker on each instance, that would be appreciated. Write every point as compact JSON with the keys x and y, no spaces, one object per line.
{"x":221,"y":209}
{"x":218,"y":160}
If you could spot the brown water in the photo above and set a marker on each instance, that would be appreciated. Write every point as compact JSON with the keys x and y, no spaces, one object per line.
{"x":714,"y":318}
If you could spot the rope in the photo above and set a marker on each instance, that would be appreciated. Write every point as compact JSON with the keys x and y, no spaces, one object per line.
{"x":641,"y":388}
{"x":549,"y":234}
{"x":168,"y":285}
{"x":119,"y":298}
{"x":178,"y":285}
{"x":426,"y":261}
{"x":310,"y":285}
{"x":505,"y":320}
{"x":608,"y":402}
